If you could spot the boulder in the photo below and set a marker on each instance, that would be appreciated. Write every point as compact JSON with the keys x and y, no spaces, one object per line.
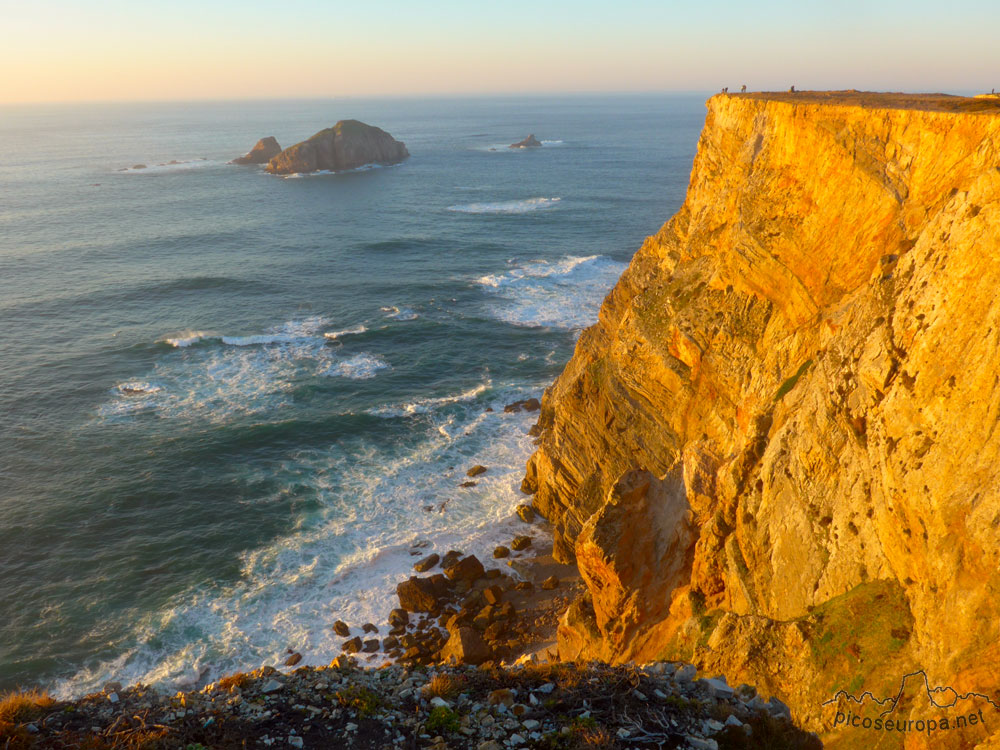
{"x":476,"y":470}
{"x":352,"y":646}
{"x":294,"y":659}
{"x":369,"y":627}
{"x":501,"y":552}
{"x":529,"y":142}
{"x":265,"y":150}
{"x":347,"y":145}
{"x":399,"y":618}
{"x":520,"y":543}
{"x":417,"y":595}
{"x":422,"y":566}
{"x":370,"y":646}
{"x":341,"y":629}
{"x":526,"y":513}
{"x":450,"y":558}
{"x":550,"y":583}
{"x":467,"y":569}
{"x":465,"y":646}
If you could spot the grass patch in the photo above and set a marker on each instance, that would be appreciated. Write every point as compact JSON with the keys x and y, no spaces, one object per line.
{"x":361,"y":699}
{"x":442,"y":719}
{"x":19,"y":707}
{"x":790,"y":383}
{"x":444,"y":686}
{"x":858,"y":629}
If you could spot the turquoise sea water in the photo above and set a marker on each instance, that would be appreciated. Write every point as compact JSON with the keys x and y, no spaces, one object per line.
{"x":232,"y":403}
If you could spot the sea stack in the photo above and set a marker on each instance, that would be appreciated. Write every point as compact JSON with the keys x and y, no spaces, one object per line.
{"x":265,"y":150}
{"x":776,"y":454}
{"x":529,"y":142}
{"x":347,"y":145}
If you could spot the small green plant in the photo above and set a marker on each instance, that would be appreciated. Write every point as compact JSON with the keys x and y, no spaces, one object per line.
{"x":361,"y":699}
{"x":790,"y":383}
{"x":442,"y":719}
{"x":196,"y":746}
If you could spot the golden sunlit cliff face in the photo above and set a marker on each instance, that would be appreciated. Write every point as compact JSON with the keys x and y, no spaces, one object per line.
{"x":777,"y":453}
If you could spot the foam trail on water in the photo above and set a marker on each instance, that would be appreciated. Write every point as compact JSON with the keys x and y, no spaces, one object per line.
{"x":379,"y":506}
{"x":358,"y":367}
{"x":507,"y":207}
{"x":231,"y":376}
{"x":534,"y":293}
{"x":334,"y":335}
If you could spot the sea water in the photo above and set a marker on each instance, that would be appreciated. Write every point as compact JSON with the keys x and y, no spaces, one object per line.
{"x":233,"y":406}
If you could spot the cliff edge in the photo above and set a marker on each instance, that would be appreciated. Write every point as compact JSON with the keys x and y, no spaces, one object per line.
{"x":776,"y":454}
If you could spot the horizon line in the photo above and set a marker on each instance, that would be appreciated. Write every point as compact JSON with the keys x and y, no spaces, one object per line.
{"x":440,"y":95}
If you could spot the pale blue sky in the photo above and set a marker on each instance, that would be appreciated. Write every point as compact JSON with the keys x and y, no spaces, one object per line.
{"x":52,"y":50}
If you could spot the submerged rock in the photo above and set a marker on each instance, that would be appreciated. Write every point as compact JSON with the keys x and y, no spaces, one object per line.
{"x":347,"y":145}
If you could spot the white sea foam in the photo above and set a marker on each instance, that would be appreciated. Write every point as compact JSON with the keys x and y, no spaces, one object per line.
{"x":565,"y":293}
{"x":507,"y":207}
{"x":334,"y":335}
{"x":357,"y":367}
{"x":425,"y":405}
{"x":137,"y":388}
{"x":187,"y":339}
{"x":400,"y":313}
{"x":240,"y":375}
{"x":377,"y":504}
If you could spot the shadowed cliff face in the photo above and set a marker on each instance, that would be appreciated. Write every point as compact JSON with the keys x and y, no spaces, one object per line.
{"x":806,"y":360}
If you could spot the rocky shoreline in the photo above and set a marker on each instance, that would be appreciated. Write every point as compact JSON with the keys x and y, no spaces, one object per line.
{"x":555,"y":707}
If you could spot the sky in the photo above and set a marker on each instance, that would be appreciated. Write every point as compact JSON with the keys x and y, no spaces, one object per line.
{"x":76,"y":50}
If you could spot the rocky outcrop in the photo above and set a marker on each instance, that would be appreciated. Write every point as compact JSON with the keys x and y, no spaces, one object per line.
{"x":265,"y":150}
{"x":347,"y":145}
{"x":776,"y":453}
{"x":529,"y":142}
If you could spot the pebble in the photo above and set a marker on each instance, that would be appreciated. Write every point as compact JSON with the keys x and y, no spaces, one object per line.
{"x":295,"y":741}
{"x":272,"y":687}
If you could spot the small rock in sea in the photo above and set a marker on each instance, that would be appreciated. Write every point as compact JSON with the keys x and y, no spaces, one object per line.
{"x":526,"y":513}
{"x":520,"y":543}
{"x":451,"y":557}
{"x":138,"y":166}
{"x":399,"y":617}
{"x":501,"y":552}
{"x":550,"y":583}
{"x":476,"y":470}
{"x":369,"y":627}
{"x":371,"y":646}
{"x":468,"y":484}
{"x":352,"y":646}
{"x":341,"y":629}
{"x":390,"y":642}
{"x":294,"y":659}
{"x":422,"y":566}
{"x":530,"y":404}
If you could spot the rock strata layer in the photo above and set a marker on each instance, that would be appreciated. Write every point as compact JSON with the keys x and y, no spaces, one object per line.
{"x":347,"y":145}
{"x":776,"y":454}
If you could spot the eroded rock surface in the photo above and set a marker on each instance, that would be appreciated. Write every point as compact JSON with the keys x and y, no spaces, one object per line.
{"x":347,"y":145}
{"x":805,"y":359}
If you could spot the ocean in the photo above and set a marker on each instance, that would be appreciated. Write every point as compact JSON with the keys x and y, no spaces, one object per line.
{"x":233,"y":405}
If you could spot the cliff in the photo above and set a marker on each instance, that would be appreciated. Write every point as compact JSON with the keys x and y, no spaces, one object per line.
{"x":776,"y":453}
{"x":347,"y":145}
